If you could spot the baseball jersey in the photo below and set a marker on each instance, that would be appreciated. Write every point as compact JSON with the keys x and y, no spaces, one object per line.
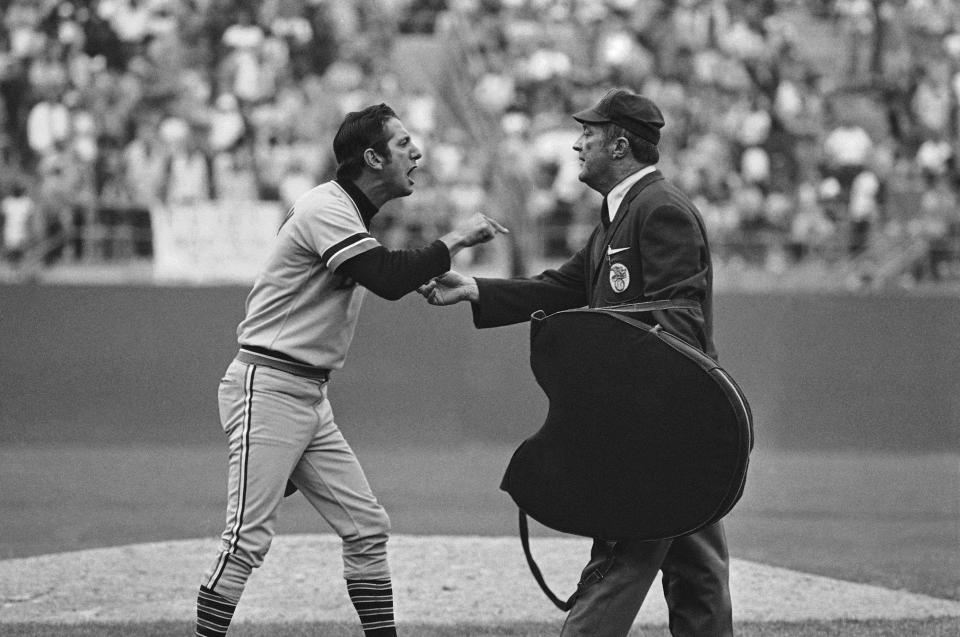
{"x":299,"y":306}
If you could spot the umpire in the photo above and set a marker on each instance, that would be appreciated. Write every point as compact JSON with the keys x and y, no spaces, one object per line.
{"x":649,"y":245}
{"x":299,"y":322}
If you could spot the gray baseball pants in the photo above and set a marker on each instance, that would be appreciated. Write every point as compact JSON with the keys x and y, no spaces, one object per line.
{"x":279,"y":426}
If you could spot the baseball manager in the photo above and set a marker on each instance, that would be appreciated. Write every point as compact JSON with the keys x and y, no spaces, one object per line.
{"x":299,"y":321}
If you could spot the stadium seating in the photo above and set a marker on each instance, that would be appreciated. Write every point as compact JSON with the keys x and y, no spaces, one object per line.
{"x":113,"y":107}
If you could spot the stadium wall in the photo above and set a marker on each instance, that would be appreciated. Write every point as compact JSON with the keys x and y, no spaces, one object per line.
{"x":130,"y":364}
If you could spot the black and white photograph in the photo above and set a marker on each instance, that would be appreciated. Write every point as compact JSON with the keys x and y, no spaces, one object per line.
{"x":479,"y":318}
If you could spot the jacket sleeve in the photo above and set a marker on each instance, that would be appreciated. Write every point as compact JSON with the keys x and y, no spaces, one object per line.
{"x":508,"y":301}
{"x":676,"y":265}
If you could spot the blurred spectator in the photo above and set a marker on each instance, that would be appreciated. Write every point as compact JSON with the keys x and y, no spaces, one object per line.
{"x":241,"y":67}
{"x":143,"y":164}
{"x":864,"y":209}
{"x":235,"y":175}
{"x":186,"y":174}
{"x":115,"y":202}
{"x":931,"y":101}
{"x":810,"y":230}
{"x":847,"y":150}
{"x":84,"y":135}
{"x":934,"y":158}
{"x":47,"y":125}
{"x":495,"y":90}
{"x":21,"y":21}
{"x":227,"y":125}
{"x":938,"y":224}
{"x":60,"y":203}
{"x":420,"y":113}
{"x":19,"y":223}
{"x":755,"y":167}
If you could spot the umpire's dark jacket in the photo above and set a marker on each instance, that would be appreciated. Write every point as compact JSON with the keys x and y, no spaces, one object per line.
{"x":656,"y":247}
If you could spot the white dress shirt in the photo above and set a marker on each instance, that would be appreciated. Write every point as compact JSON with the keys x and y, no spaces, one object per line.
{"x":618,"y":192}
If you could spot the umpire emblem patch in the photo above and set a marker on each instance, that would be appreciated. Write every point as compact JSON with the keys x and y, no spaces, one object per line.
{"x":619,"y":277}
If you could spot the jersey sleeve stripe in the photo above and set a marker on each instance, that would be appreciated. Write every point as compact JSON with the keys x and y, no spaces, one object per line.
{"x":351,"y":250}
{"x":340,"y":245}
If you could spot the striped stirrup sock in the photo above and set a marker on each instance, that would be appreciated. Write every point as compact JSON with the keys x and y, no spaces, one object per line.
{"x":214,"y":613}
{"x":373,"y":600}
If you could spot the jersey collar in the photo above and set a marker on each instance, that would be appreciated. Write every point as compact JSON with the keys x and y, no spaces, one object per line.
{"x":364,"y":205}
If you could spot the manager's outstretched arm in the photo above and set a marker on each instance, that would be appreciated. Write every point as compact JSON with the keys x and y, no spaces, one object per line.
{"x":391,"y":274}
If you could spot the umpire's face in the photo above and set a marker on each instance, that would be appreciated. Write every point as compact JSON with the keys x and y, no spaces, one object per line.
{"x":596,"y":158}
{"x":402,"y":160}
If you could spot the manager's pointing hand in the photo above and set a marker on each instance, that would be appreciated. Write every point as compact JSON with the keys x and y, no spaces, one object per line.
{"x":495,"y":224}
{"x":479,"y":228}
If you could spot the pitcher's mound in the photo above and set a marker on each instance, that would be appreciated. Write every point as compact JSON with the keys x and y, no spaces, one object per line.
{"x":437,"y":580}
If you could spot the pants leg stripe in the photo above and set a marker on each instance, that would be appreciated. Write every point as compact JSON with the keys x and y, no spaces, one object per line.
{"x":242,"y":477}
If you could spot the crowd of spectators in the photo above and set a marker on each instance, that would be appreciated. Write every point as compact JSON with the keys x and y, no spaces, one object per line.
{"x":109,"y":107}
{"x":798,"y":142}
{"x":795,"y":148}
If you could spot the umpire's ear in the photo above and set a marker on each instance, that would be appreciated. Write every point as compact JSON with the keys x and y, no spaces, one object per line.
{"x":621,"y":147}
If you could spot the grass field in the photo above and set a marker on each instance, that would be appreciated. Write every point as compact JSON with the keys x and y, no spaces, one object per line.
{"x":882,"y":519}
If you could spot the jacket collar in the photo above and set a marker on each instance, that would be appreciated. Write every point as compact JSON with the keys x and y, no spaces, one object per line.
{"x":364,"y":205}
{"x":635,"y":189}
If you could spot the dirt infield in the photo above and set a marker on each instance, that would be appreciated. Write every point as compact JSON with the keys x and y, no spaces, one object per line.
{"x":438,"y":580}
{"x":886,"y":520}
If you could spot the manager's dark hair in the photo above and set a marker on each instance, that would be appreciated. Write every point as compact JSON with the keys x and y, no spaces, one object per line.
{"x":359,"y":131}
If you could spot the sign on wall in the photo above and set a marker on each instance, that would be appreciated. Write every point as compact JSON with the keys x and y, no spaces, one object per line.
{"x":213,"y":241}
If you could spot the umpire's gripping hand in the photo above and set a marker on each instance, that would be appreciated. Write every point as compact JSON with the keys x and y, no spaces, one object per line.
{"x":450,"y":288}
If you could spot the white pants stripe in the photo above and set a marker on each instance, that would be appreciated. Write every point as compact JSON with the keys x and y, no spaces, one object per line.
{"x":242,"y":482}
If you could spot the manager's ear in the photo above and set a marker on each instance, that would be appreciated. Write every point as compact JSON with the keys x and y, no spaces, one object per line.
{"x":372,"y":159}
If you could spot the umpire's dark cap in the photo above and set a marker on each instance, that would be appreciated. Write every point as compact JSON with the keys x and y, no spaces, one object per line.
{"x":630,"y":111}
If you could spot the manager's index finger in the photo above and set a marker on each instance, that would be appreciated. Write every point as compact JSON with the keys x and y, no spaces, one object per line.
{"x":496,"y":225}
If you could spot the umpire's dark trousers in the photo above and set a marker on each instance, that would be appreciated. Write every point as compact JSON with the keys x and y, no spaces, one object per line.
{"x":695,"y":570}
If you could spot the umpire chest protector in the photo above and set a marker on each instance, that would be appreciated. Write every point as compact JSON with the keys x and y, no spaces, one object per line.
{"x":646,"y":437}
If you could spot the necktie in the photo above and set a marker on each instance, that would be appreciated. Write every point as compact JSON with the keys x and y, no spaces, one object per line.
{"x":604,"y":214}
